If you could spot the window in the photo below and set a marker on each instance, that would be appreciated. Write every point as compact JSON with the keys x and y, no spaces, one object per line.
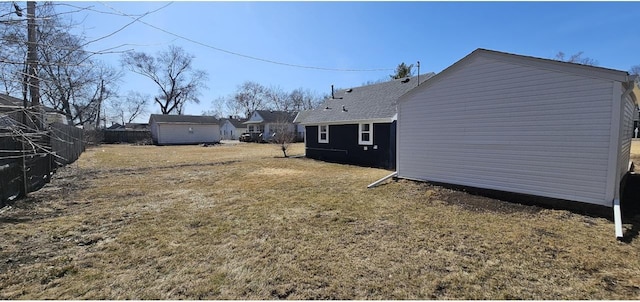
{"x":365,"y":134}
{"x":323,"y":133}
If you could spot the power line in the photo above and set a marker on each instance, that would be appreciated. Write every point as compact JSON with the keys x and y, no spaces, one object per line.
{"x":243,"y":55}
{"x":127,"y":25}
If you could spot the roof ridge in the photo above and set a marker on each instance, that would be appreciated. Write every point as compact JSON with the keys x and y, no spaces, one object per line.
{"x":387,"y":82}
{"x":547,"y":60}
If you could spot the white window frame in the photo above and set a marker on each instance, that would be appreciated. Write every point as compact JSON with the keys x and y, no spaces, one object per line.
{"x":360,"y":132}
{"x":326,"y":140}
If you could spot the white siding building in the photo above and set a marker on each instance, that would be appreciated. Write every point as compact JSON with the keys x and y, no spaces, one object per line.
{"x":232,"y":128}
{"x":265,"y":123}
{"x":520,"y":124}
{"x":184,"y":129}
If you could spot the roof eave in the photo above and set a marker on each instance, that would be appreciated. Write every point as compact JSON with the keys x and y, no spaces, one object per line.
{"x":357,"y":121}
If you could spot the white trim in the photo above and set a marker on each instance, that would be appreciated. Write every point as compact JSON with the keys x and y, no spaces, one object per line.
{"x":360,"y":132}
{"x":326,"y":140}
{"x":617,"y":218}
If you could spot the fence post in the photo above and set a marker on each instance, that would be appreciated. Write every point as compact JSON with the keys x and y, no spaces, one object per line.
{"x":25,"y":183}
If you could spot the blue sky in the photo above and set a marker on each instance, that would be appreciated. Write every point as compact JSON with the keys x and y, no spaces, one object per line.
{"x":355,"y":35}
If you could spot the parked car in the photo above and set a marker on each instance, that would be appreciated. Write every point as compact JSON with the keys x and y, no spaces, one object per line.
{"x":245,"y":137}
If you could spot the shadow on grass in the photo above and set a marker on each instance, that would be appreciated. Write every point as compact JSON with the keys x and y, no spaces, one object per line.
{"x":477,"y":199}
{"x":630,"y":206}
{"x":13,"y":220}
{"x":632,"y":233}
{"x":153,"y":168}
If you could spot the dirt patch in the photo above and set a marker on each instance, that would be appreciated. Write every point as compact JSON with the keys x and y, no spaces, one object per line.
{"x":476,"y":200}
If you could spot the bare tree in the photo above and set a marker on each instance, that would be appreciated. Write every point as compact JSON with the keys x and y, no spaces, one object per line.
{"x":69,"y":79}
{"x":283,"y":135}
{"x":212,"y":112}
{"x":73,"y":83}
{"x":126,"y":110}
{"x":635,"y":70}
{"x":277,"y":99}
{"x":13,"y":51}
{"x":172,"y":71}
{"x":576,"y":58}
{"x":304,"y":99}
{"x":252,"y":96}
{"x":226,"y":104}
{"x":249,"y":97}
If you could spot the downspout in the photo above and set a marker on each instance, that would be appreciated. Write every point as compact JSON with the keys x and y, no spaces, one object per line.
{"x":617,"y":214}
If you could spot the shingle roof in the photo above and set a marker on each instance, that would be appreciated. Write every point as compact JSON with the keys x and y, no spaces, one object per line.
{"x":136,"y":125}
{"x":186,"y":119}
{"x":270,"y":116}
{"x":376,"y":101}
{"x":115,"y":126}
{"x":238,"y":123}
{"x":8,"y":100}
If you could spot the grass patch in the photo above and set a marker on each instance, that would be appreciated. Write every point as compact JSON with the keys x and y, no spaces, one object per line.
{"x":240,"y":222}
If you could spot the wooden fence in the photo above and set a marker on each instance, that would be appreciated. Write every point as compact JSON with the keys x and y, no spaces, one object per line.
{"x":30,"y":152}
{"x":131,"y":136}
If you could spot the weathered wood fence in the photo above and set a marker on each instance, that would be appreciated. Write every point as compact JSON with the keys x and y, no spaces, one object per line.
{"x":30,"y":152}
{"x":131,"y":136}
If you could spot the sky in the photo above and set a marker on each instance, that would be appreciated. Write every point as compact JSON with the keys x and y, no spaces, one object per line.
{"x":347,"y":44}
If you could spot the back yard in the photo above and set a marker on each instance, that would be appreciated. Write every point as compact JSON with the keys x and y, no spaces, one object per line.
{"x":240,"y":222}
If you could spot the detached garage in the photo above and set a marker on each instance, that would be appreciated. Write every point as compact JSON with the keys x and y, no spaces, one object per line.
{"x":183,"y":129}
{"x":521,"y":124}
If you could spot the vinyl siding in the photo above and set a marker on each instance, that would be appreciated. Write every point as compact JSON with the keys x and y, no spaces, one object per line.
{"x":628,"y":113}
{"x":231,"y":131}
{"x":180,"y":134}
{"x":343,"y":146}
{"x":510,"y":127}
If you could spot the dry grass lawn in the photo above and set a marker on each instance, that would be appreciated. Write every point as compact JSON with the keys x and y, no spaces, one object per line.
{"x":240,"y":222}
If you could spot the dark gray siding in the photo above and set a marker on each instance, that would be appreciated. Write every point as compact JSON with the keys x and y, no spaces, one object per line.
{"x":343,"y":146}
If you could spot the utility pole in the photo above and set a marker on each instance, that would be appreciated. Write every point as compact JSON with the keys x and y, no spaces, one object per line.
{"x":32,"y":54}
{"x":100,"y":99}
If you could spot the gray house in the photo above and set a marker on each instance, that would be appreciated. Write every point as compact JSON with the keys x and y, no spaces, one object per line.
{"x":184,"y":129}
{"x":521,"y":124}
{"x":357,"y":125}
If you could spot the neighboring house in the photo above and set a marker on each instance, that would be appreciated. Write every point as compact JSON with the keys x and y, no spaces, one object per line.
{"x":231,"y":128}
{"x":183,"y":129}
{"x":357,"y":125}
{"x":115,"y":126}
{"x":136,"y":126}
{"x":521,"y":124}
{"x":263,"y":124}
{"x":51,"y":115}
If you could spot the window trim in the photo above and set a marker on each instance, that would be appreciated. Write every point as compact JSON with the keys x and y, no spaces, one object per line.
{"x":326,"y":140}
{"x":360,"y":132}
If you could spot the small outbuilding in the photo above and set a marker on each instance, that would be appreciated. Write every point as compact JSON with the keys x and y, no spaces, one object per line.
{"x":184,"y":129}
{"x":521,"y":124}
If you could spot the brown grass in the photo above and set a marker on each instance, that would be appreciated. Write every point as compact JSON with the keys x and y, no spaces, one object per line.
{"x":240,"y":222}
